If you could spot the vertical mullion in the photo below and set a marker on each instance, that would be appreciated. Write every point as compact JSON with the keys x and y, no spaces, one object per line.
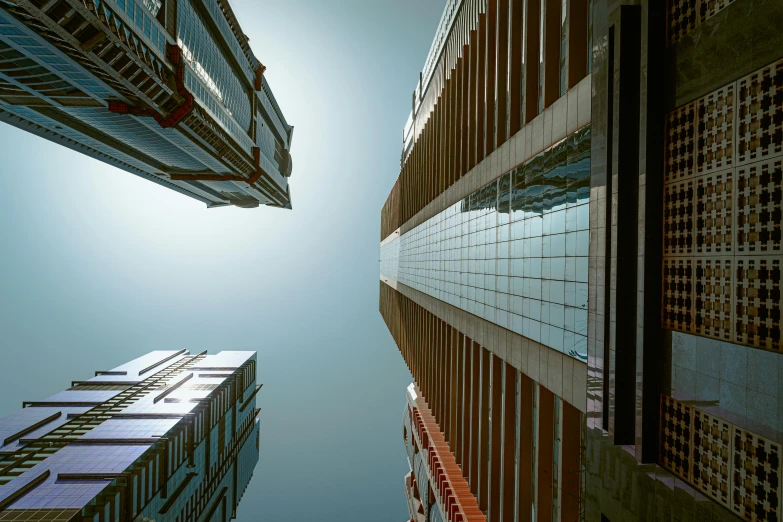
{"x":492,"y":23}
{"x":525,"y":464}
{"x":532,"y":51}
{"x":484,"y":457}
{"x":481,"y":92}
{"x":465,"y":95}
{"x":472,"y":132}
{"x":545,"y":457}
{"x":509,"y":440}
{"x":496,"y":437}
{"x":458,"y":121}
{"x":460,"y":388}
{"x":551,"y":31}
{"x":515,"y":87}
{"x":501,"y":89}
{"x":474,"y":417}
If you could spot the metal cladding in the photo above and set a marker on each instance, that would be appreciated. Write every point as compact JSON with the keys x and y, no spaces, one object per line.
{"x":167,"y":436}
{"x":169,"y":91}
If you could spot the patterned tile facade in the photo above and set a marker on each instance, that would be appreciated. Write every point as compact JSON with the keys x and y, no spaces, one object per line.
{"x":716,"y":130}
{"x":736,"y":468}
{"x":709,"y":8}
{"x":678,"y":218}
{"x":713,"y":298}
{"x":685,"y":15}
{"x":712,"y":453}
{"x":677,"y":294}
{"x":677,"y":425}
{"x":680,"y":132}
{"x":760,"y":114}
{"x":722,"y":209}
{"x":756,"y":481}
{"x":758,"y":302}
{"x":714,"y":203}
{"x":759,"y":199}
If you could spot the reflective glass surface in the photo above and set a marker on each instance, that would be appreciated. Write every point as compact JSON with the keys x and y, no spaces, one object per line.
{"x":515,"y":252}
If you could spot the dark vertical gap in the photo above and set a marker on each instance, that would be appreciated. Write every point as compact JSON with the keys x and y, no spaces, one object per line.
{"x":608,"y":234}
{"x":627,"y":221}
{"x":656,"y":355}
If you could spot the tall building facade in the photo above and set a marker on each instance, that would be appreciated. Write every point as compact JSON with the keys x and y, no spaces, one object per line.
{"x":580,"y":262}
{"x":168,"y":90}
{"x":169,"y":436}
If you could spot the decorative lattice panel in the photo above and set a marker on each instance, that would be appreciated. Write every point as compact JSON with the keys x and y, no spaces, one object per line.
{"x":683,"y":15}
{"x":760,"y":107}
{"x":678,"y":294}
{"x":715,"y":145}
{"x":755,"y":481}
{"x":676,"y":422}
{"x":723,"y":198}
{"x":757,"y":305}
{"x":713,"y":298}
{"x":712,"y":454}
{"x":714,"y":204}
{"x":759,"y":207}
{"x":678,"y":218}
{"x":710,"y":8}
{"x":680,"y":142}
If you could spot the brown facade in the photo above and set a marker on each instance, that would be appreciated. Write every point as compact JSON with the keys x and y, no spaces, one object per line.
{"x":488,"y":411}
{"x":479,"y":95}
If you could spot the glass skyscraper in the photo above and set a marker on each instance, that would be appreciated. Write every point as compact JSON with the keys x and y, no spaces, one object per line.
{"x":581,"y":262}
{"x":168,"y":90}
{"x":169,"y":436}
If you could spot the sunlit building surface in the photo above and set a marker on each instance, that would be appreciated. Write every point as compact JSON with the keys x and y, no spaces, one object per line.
{"x":169,"y":436}
{"x":580,"y":262}
{"x":168,"y":90}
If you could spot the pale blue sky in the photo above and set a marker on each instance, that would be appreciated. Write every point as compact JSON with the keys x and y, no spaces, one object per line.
{"x":99,"y":266}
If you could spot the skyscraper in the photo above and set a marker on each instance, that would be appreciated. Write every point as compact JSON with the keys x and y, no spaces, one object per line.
{"x":167,"y":436}
{"x":580,"y":262}
{"x":168,"y":90}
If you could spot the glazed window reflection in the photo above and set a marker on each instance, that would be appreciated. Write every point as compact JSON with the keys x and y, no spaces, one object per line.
{"x":515,"y":252}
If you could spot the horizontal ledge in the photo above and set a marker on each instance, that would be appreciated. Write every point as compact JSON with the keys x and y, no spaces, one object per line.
{"x":130,"y":415}
{"x":90,"y":476}
{"x":90,"y":442}
{"x":105,"y":383}
{"x":172,"y":388}
{"x":24,"y":490}
{"x":247,"y":401}
{"x":167,"y":359}
{"x":41,"y":423}
{"x":102,"y":373}
{"x":61,"y":404}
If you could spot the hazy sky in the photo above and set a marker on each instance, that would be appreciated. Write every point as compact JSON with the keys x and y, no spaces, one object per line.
{"x":99,"y":266}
